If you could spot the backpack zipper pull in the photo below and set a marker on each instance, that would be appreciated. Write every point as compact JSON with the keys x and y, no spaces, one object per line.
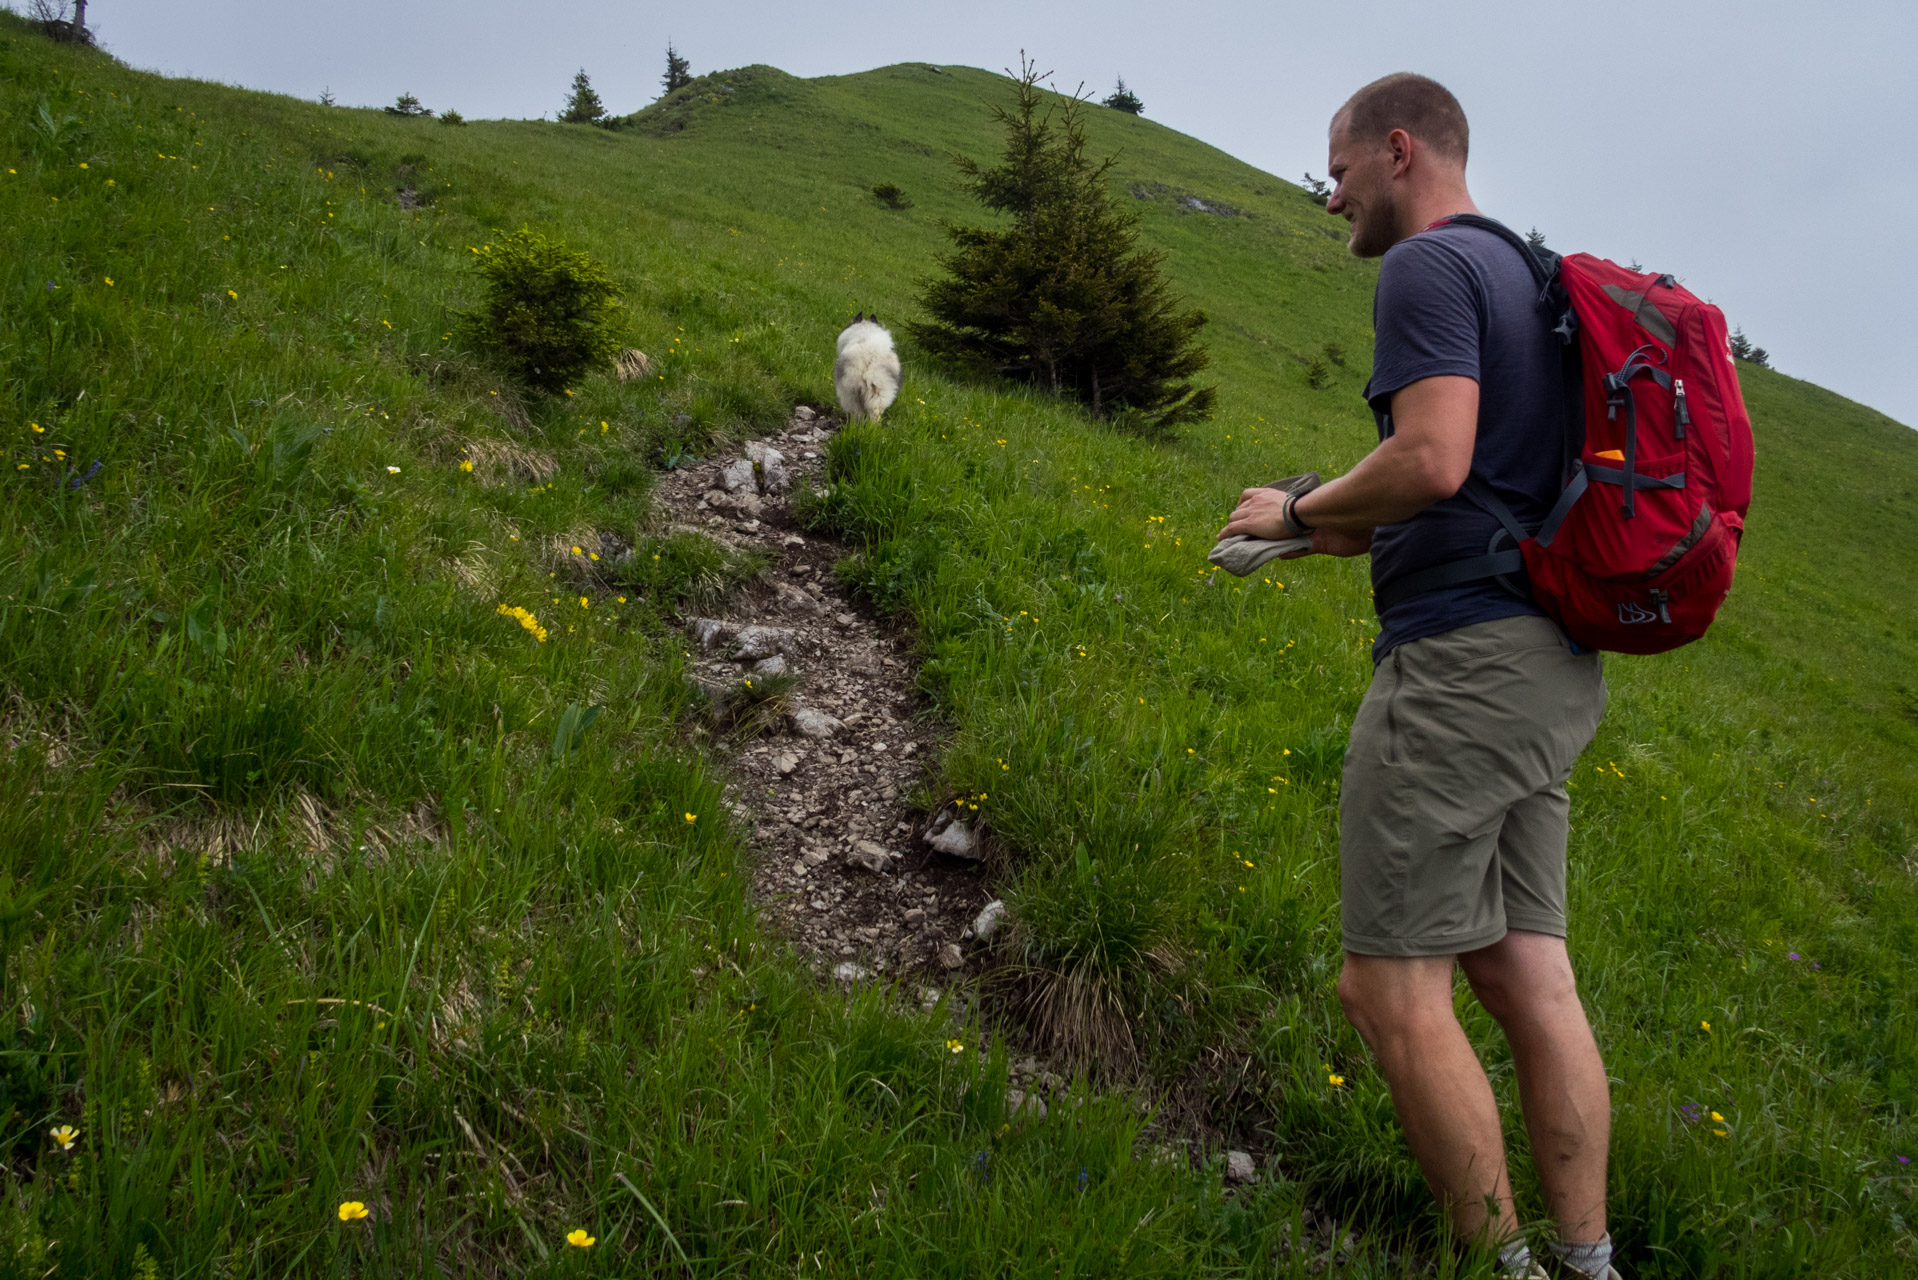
{"x":1684,"y":414}
{"x":1660,"y":600}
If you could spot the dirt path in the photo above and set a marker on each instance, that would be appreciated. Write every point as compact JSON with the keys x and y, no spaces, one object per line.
{"x":843,"y":865}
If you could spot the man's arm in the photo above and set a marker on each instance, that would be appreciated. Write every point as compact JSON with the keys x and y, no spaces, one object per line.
{"x":1427,"y":457}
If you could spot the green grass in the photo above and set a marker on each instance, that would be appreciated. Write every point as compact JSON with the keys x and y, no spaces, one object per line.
{"x":313,"y":890}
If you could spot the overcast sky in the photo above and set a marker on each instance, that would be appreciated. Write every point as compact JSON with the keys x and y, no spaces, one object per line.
{"x":1762,"y":151}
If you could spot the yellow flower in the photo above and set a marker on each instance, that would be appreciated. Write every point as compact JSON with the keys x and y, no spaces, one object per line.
{"x":109,"y":280}
{"x":584,"y":603}
{"x":1717,"y":1119}
{"x":576,"y":551}
{"x":352,"y":1211}
{"x":1721,"y":1133}
{"x":603,"y":428}
{"x":1705,"y":1026}
{"x":467,"y":465}
{"x":580,"y":1240}
{"x":38,"y":430}
{"x":1335,"y":1080}
{"x":956,"y":1046}
{"x":692,"y":817}
{"x":622,"y":599}
{"x":64,"y":1135}
{"x":392,"y":471}
{"x":232,"y":295}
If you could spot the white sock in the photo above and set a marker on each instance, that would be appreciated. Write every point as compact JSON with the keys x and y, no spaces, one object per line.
{"x":1515,"y":1258}
{"x":1592,"y":1259}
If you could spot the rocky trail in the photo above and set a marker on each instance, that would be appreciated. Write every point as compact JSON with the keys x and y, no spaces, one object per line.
{"x":865,"y":885}
{"x":843,"y":865}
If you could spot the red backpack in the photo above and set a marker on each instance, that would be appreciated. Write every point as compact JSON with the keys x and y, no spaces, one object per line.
{"x":1637,"y":554}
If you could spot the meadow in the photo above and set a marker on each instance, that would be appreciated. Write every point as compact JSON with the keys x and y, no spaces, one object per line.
{"x":320,"y":883}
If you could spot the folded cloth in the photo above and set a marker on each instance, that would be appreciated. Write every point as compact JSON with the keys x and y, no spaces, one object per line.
{"x":1239,"y":554}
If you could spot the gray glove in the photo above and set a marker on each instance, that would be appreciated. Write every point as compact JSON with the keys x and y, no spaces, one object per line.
{"x":1239,"y":554}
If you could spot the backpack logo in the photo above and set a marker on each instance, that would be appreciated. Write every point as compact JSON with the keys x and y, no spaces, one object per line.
{"x":1629,"y":613}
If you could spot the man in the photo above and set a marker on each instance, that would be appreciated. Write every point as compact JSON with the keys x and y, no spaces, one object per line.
{"x":1454,"y":813}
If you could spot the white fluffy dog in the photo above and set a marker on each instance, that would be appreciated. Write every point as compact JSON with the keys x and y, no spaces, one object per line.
{"x":866,"y":375}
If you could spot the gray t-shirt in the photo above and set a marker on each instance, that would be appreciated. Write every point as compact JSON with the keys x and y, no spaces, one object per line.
{"x":1460,"y":301}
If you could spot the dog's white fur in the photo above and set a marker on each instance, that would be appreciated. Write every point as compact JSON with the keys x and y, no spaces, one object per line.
{"x":866,"y":375}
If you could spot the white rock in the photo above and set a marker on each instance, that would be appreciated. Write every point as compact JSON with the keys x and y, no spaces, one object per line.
{"x":810,"y":722}
{"x":773,"y":666}
{"x":1239,"y":1167}
{"x":773,"y":477}
{"x":792,"y":540}
{"x":850,"y":972}
{"x":950,"y":957}
{"x":845,"y":619}
{"x":915,"y":915}
{"x":1029,"y":1106}
{"x":814,"y":858}
{"x":738,"y":477}
{"x":988,"y":920}
{"x":956,"y":839}
{"x":787,"y":596}
{"x":709,"y":633}
{"x":870,"y":856}
{"x":785,"y":762}
{"x":762,"y":642}
{"x":802,"y":413}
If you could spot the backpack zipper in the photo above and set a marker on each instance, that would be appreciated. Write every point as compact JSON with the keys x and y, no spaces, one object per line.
{"x":1684,"y":414}
{"x":1660,"y":600}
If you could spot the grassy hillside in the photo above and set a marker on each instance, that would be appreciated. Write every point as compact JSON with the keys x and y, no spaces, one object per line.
{"x":310,"y":896}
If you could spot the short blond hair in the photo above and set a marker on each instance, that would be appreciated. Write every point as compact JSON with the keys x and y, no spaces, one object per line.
{"x":1417,"y":104}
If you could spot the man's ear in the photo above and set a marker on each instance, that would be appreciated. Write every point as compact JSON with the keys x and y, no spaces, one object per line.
{"x":1401,"y":145}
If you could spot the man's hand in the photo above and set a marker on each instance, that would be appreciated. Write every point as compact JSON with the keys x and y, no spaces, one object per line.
{"x":1260,"y":514}
{"x":1335,"y":542}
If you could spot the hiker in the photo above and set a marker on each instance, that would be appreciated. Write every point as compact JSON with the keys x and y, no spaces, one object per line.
{"x":1454,"y":816}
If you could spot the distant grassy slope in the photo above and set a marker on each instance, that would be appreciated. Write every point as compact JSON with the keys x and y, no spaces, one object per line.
{"x":599,"y":999}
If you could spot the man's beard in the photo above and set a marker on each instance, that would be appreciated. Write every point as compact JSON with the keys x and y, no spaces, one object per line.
{"x":1374,"y":230}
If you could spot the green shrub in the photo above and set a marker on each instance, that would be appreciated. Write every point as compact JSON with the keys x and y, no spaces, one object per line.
{"x":408,"y":105}
{"x":1065,"y":298}
{"x":889,"y":194}
{"x":550,"y":313}
{"x":450,"y":116}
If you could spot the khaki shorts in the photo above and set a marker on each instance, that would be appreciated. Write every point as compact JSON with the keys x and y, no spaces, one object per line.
{"x":1454,"y":817}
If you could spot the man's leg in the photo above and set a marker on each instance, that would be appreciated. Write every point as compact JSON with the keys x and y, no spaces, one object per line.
{"x":1525,"y":981}
{"x":1402,"y":1006}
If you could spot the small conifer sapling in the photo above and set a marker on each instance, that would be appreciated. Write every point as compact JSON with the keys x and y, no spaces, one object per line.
{"x":679,"y":72}
{"x":1123,"y":99}
{"x":583,"y":105}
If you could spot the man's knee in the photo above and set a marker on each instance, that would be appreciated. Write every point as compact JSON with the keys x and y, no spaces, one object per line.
{"x":1524,"y":976}
{"x":1384,"y":997}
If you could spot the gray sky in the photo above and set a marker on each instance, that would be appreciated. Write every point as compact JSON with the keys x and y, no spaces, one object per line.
{"x":1737,"y":145}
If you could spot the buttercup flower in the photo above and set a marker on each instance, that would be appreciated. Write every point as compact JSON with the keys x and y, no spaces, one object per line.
{"x":580,"y":1240}
{"x":467,"y":465}
{"x":1335,"y":1080}
{"x":64,"y":1135}
{"x":956,"y":1046}
{"x":692,"y":817}
{"x":352,"y":1211}
{"x":1705,"y":1026}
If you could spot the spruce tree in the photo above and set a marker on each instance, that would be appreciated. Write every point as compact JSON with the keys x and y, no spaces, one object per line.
{"x":1123,"y":99}
{"x":584,"y":107}
{"x":1063,"y":298}
{"x":679,"y":72}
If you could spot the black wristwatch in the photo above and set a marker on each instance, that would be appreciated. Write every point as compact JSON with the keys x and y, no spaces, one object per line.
{"x":1288,"y":514}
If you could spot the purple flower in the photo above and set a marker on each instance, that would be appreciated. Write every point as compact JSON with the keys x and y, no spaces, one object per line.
{"x":1791,"y":955}
{"x":1904,"y":1159}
